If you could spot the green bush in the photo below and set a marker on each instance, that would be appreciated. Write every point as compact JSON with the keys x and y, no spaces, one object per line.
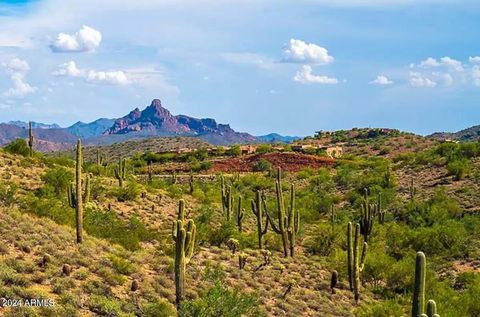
{"x":59,"y":178}
{"x":459,"y":169}
{"x":158,"y":309}
{"x":221,"y":301}
{"x":7,"y":193}
{"x":262,"y":166}
{"x":127,"y":193}
{"x":19,"y":146}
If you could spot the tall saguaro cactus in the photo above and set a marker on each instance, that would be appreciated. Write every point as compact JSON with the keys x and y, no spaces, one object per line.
{"x":227,"y":199}
{"x":240,"y":214}
{"x":183,"y":234}
{"x":120,"y":172}
{"x":76,"y":200}
{"x":366,"y":217}
{"x":262,"y":224}
{"x":418,"y":303}
{"x":30,"y":138}
{"x":288,"y":225}
{"x":356,"y":262}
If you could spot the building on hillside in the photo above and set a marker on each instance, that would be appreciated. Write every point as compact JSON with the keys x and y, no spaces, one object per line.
{"x":248,"y":149}
{"x":334,"y":151}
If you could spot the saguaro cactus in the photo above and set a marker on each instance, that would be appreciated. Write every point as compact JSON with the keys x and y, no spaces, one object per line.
{"x":412,"y":190}
{"x":183,"y":234}
{"x":150,"y":173}
{"x":227,"y":199}
{"x":191,"y":184}
{"x":240,"y":214}
{"x":30,"y":138}
{"x":288,"y":225}
{"x":262,"y":224}
{"x":99,"y":157}
{"x":355,"y":261}
{"x":77,"y":202}
{"x":378,"y":210}
{"x":431,"y":308}
{"x":366,"y":217}
{"x":418,"y":303}
{"x":120,"y":172}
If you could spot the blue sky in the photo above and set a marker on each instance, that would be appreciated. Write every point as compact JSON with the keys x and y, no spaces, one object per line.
{"x":291,"y":67}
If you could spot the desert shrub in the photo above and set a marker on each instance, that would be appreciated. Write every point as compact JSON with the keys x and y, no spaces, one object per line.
{"x":59,"y":160}
{"x":127,"y":193}
{"x":104,"y":306}
{"x":322,"y":241}
{"x":262,"y":166}
{"x":121,"y":265}
{"x":264,"y":148}
{"x":221,"y":301}
{"x":158,"y":308}
{"x":109,"y":226}
{"x":391,"y":308}
{"x":59,"y":178}
{"x":7,"y":193}
{"x":234,"y":151}
{"x":19,"y":146}
{"x":459,"y":169}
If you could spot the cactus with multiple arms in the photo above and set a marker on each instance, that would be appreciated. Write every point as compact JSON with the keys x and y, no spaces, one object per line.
{"x":183,"y":234}
{"x":288,"y":225}
{"x":120,"y":172}
{"x":30,"y":138}
{"x":355,"y":261}
{"x":242,"y":260}
{"x":366,"y":217}
{"x":240,"y":214}
{"x":227,"y":199}
{"x":262,"y":224}
{"x":75,"y":197}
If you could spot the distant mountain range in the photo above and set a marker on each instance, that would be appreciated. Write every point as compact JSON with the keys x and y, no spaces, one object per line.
{"x":153,"y":121}
{"x":469,"y":134}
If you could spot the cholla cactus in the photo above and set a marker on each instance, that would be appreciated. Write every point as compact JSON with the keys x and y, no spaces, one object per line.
{"x":242,"y":260}
{"x":183,"y":234}
{"x":233,"y":244}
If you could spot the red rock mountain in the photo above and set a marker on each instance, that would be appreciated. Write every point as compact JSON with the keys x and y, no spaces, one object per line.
{"x":157,"y":120}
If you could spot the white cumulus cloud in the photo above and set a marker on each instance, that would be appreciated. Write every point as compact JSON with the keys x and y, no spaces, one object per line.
{"x":474,"y":59}
{"x":16,"y":65}
{"x":69,"y":69}
{"x":115,"y":77}
{"x":382,"y":80}
{"x":476,"y":75}
{"x":87,"y":39}
{"x":18,"y":69}
{"x":445,"y":61}
{"x":298,"y":51}
{"x":111,"y":77}
{"x":305,"y":76}
{"x":418,"y":80}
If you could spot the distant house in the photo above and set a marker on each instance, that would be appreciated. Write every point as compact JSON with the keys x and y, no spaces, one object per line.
{"x":184,"y":150}
{"x":248,"y":149}
{"x":334,"y":151}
